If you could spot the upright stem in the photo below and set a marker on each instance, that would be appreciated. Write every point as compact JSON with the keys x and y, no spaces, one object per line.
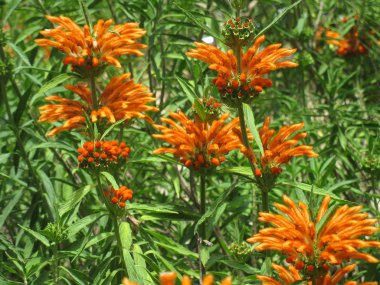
{"x":55,"y":263}
{"x":202,"y":234}
{"x":113,"y":217}
{"x":203,"y":204}
{"x":93,"y":93}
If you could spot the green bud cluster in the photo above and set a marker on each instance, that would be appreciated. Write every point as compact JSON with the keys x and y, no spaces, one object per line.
{"x":238,"y":32}
{"x":371,"y":164}
{"x":55,"y":233}
{"x":241,"y":250}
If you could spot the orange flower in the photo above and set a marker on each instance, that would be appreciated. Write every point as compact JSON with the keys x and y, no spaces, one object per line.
{"x":198,"y":144}
{"x":278,"y":148}
{"x":86,"y":49}
{"x":245,"y":84}
{"x":168,"y":278}
{"x":290,"y":275}
{"x":119,"y":196}
{"x":349,"y":44}
{"x":121,"y":99}
{"x":295,"y":234}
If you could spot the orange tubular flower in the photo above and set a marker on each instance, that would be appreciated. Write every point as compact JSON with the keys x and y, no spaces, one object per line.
{"x":168,"y":278}
{"x":121,"y":99}
{"x":198,"y":144}
{"x":291,"y":275}
{"x":278,"y":148}
{"x":295,"y":234}
{"x":90,"y":50}
{"x":242,"y":86}
{"x":349,"y":44}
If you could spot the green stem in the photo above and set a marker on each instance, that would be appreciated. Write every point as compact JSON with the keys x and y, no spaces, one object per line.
{"x":202,"y":234}
{"x":55,"y":263}
{"x":203,"y":204}
{"x":113,"y":216}
{"x":93,"y":93}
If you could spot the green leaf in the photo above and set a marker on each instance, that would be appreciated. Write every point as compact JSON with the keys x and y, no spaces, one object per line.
{"x":198,"y":22}
{"x":110,"y":179}
{"x":241,"y":267}
{"x":75,"y":199}
{"x":177,"y":248}
{"x":126,"y":243}
{"x":16,"y":196}
{"x":111,"y":128}
{"x":205,"y":255}
{"x":157,"y":208}
{"x":241,"y":170}
{"x":252,"y":126}
{"x":275,"y":20}
{"x":20,"y":53}
{"x":54,"y":82}
{"x":38,"y":236}
{"x":213,"y":208}
{"x":200,"y":110}
{"x":187,"y":88}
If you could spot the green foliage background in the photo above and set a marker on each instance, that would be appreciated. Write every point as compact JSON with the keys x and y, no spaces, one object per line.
{"x":51,"y":219}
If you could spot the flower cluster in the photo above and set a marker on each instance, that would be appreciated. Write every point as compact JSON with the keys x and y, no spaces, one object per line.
{"x":291,"y":275}
{"x":102,"y":153}
{"x":121,"y":99}
{"x":91,"y":50}
{"x":168,"y":278}
{"x":240,"y":82}
{"x":295,"y":234}
{"x":211,"y":109}
{"x":198,"y":144}
{"x":238,"y":32}
{"x":278,"y":148}
{"x":119,"y":196}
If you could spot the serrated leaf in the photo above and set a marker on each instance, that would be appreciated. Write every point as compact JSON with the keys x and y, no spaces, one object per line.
{"x":252,"y":126}
{"x":75,"y":199}
{"x":110,"y":179}
{"x":275,"y":20}
{"x":53,"y":83}
{"x":198,"y":22}
{"x":187,"y":89}
{"x":37,"y":235}
{"x":212,"y":209}
{"x":177,"y":248}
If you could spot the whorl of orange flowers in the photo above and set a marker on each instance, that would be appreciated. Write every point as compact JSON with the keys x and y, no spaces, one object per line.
{"x":102,"y":153}
{"x":89,"y":49}
{"x":121,"y":99}
{"x":291,"y":275}
{"x":168,"y":278}
{"x":295,"y":234}
{"x":278,"y":148}
{"x":247,"y":82}
{"x":198,"y":144}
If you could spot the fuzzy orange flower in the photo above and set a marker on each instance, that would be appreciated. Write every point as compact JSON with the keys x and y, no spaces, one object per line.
{"x":246,"y":83}
{"x":89,"y":49}
{"x":291,"y":275}
{"x":295,"y":234}
{"x":121,"y":99}
{"x":198,"y":144}
{"x":278,"y":148}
